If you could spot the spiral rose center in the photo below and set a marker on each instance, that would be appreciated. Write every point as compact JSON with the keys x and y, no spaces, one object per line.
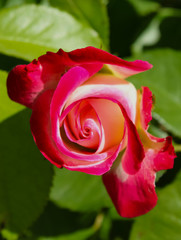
{"x":93,"y":125}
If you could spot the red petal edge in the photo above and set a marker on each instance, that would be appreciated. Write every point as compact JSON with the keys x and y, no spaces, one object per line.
{"x":26,"y":82}
{"x":134,"y":194}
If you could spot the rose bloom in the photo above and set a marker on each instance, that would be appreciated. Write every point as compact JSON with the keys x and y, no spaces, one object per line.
{"x":86,"y":117}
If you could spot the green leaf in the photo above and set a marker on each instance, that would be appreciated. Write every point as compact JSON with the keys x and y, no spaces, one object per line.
{"x":160,"y":32}
{"x":79,"y":191}
{"x":10,"y":3}
{"x":7,"y":107}
{"x":163,"y":222}
{"x":57,"y":223}
{"x":144,"y":7}
{"x":61,"y":224}
{"x":29,"y":31}
{"x":164,"y":81}
{"x":6,"y":234}
{"x":82,"y":234}
{"x":90,"y":12}
{"x":25,"y":178}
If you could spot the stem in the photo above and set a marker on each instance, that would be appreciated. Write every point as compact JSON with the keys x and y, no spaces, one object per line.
{"x":98,"y":221}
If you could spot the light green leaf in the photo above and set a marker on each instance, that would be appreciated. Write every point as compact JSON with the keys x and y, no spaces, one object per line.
{"x":79,"y":191}
{"x":164,"y":221}
{"x":10,"y":3}
{"x":144,"y":7}
{"x":164,"y":81}
{"x":7,"y":107}
{"x":30,"y":30}
{"x":25,"y":178}
{"x":90,"y":12}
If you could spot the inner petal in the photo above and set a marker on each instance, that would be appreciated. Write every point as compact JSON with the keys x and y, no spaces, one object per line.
{"x":82,"y":126}
{"x":111,"y":119}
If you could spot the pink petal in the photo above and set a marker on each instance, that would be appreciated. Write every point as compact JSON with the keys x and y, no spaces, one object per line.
{"x":146,"y":107}
{"x":107,"y":86}
{"x":26,"y":82}
{"x":132,"y":195}
{"x":112,"y":121}
{"x":162,"y":149}
{"x":116,"y":64}
{"x":41,"y":130}
{"x":134,"y":154}
{"x":82,"y":125}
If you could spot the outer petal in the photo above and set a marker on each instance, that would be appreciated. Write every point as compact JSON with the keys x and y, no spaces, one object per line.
{"x":134,"y":154}
{"x":26,"y":82}
{"x":119,"y":66}
{"x":146,"y":107}
{"x":23,"y":83}
{"x":41,"y":129}
{"x":134,"y":194}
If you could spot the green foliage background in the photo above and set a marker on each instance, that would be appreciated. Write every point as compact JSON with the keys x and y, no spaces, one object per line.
{"x":40,"y":202}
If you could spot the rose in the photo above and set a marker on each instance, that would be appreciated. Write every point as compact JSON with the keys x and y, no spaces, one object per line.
{"x":86,"y":117}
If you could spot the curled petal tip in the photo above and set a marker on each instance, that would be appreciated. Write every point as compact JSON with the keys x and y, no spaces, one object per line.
{"x":144,"y":64}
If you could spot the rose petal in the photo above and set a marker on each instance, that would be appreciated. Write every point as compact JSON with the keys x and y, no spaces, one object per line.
{"x":132,"y":195}
{"x":82,"y":122}
{"x":121,"y":67}
{"x":111,"y":119}
{"x":26,"y":82}
{"x":23,"y":83}
{"x":41,"y":130}
{"x":107,"y":86}
{"x":134,"y":154}
{"x":146,"y":107}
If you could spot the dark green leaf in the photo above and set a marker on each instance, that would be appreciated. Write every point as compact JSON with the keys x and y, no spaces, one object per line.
{"x":79,"y":191}
{"x":57,"y":224}
{"x":161,"y":31}
{"x":164,"y":81}
{"x":7,"y":107}
{"x":125,"y":23}
{"x":25,"y":178}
